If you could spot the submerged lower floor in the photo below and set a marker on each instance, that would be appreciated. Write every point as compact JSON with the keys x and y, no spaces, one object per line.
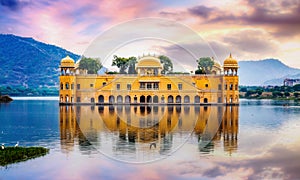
{"x":92,"y":98}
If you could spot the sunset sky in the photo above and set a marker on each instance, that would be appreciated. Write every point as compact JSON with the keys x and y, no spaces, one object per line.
{"x":250,"y":29}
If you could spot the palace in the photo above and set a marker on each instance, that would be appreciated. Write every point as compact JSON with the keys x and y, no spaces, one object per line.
{"x":149,"y":85}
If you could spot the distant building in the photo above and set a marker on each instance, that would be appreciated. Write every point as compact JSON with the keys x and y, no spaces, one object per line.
{"x":291,"y":82}
{"x":149,"y":86}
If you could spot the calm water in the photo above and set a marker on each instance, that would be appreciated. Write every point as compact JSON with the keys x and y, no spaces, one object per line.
{"x":258,"y":139}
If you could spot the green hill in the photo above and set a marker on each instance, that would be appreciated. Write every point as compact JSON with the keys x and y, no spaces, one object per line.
{"x":28,"y":64}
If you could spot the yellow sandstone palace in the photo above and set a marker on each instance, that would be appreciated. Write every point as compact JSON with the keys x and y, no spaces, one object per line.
{"x":149,"y":86}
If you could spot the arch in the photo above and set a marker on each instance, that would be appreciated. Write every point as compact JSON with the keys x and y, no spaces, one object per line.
{"x":101,"y":99}
{"x":92,"y":100}
{"x":170,"y":99}
{"x":186,"y":99}
{"x":197,"y":99}
{"x":178,"y":99}
{"x":111,"y":99}
{"x":155,"y":99}
{"x":127,"y":99}
{"x":61,"y":98}
{"x":67,"y":98}
{"x":205,"y":100}
{"x":142,"y":99}
{"x":149,"y":99}
{"x":119,"y":99}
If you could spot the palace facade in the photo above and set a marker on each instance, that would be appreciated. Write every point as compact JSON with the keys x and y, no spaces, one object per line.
{"x":149,"y":85}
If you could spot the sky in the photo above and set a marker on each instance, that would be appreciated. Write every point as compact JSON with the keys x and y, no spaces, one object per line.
{"x":249,"y":29}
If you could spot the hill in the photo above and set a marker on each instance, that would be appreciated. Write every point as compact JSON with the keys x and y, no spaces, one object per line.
{"x":279,"y":81}
{"x":265,"y":72}
{"x":29,"y":63}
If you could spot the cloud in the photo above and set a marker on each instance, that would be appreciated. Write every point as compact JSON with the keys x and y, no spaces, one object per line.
{"x":244,"y":44}
{"x":201,"y":11}
{"x":282,"y":16}
{"x":13,"y":4}
{"x":65,"y":24}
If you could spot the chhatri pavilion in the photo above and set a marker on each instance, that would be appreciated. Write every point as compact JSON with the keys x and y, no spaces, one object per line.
{"x":149,"y":85}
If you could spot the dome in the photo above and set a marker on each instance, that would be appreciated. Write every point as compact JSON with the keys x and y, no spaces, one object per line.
{"x":67,"y":62}
{"x":217,"y":65}
{"x":149,"y":61}
{"x":230,"y":62}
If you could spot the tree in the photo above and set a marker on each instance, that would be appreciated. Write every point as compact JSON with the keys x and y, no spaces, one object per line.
{"x":296,"y":87}
{"x":286,"y":94}
{"x":167,"y":64}
{"x":205,"y":64}
{"x":92,"y":65}
{"x":125,"y":64}
{"x":243,"y":89}
{"x":121,"y":63}
{"x":199,"y":71}
{"x":296,"y":94}
{"x":131,"y":65}
{"x":277,"y":93}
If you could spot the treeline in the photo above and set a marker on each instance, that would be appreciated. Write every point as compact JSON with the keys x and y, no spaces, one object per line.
{"x":270,"y":92}
{"x":24,"y":91}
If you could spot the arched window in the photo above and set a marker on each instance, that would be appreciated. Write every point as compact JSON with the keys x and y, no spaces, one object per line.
{"x":149,"y":99}
{"x":170,"y":99}
{"x":186,"y":99}
{"x":155,"y":99}
{"x":119,"y":99}
{"x":111,"y":99}
{"x":197,"y":99}
{"x":101,"y":99}
{"x":178,"y":99}
{"x":142,"y":99}
{"x":127,"y":99}
{"x":61,"y":86}
{"x":205,"y":100}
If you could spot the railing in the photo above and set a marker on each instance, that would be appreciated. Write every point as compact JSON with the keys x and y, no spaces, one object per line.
{"x":149,"y":88}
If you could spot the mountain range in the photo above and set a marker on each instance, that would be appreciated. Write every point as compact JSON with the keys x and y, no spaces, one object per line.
{"x":30,"y":63}
{"x":265,"y":72}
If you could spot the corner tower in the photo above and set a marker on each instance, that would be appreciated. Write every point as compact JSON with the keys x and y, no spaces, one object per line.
{"x":67,"y":79}
{"x":231,"y":95}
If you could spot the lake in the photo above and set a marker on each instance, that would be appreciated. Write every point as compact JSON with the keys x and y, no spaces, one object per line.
{"x":258,"y":139}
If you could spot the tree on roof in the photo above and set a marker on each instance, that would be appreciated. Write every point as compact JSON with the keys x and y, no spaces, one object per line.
{"x":92,"y":65}
{"x":167,"y":64}
{"x":125,"y":64}
{"x":205,"y":65}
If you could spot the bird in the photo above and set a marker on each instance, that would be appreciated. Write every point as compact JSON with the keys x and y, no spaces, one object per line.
{"x":153,"y":144}
{"x":17,"y":144}
{"x":2,"y":147}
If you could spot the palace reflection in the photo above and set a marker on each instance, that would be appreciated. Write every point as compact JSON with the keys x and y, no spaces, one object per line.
{"x":130,"y":130}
